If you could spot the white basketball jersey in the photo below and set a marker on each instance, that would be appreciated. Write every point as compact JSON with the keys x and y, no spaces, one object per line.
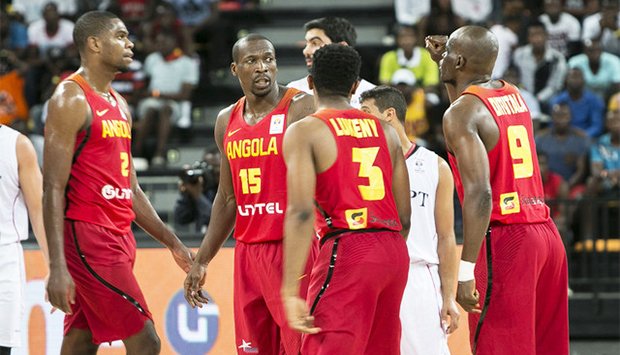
{"x":423,"y":168}
{"x":13,"y":212}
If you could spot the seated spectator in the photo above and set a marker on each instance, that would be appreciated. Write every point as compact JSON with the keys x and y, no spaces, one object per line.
{"x":555,"y":189}
{"x":441,"y":19}
{"x":410,"y":56}
{"x":601,"y":70}
{"x":586,"y":109}
{"x":416,"y":124}
{"x":566,"y":147}
{"x":31,"y":10}
{"x":172,"y":76}
{"x":605,"y":157}
{"x":165,"y":20}
{"x":13,"y":34}
{"x":603,"y":26}
{"x":13,"y":107}
{"x":197,"y":187}
{"x":507,"y":40}
{"x":538,"y":118}
{"x":563,"y":28}
{"x":541,"y":68}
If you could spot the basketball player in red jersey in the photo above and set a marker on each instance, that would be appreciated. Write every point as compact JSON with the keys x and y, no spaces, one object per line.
{"x":352,"y":164}
{"x":518,"y":297}
{"x":251,"y":197}
{"x":91,"y":196}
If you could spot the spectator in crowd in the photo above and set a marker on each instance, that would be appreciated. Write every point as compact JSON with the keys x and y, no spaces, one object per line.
{"x":512,"y":76}
{"x":410,"y":56}
{"x":473,"y":11}
{"x":566,"y":148}
{"x":323,"y":31}
{"x":601,"y":70}
{"x":581,"y":8}
{"x":603,"y":25}
{"x":555,"y":189}
{"x":133,"y":12}
{"x":442,"y":18}
{"x":13,"y":107}
{"x":507,"y":39}
{"x":50,"y":35}
{"x":172,"y":77}
{"x":197,"y":187}
{"x":31,"y":10}
{"x":13,"y":34}
{"x":563,"y":29}
{"x":586,"y":109}
{"x":518,"y":9}
{"x":605,"y":158}
{"x":165,"y":20}
{"x":412,"y":12}
{"x":416,"y":123}
{"x":542,"y":69}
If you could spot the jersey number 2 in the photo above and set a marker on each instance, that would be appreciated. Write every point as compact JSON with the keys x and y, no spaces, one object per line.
{"x":375,"y":190}
{"x":520,"y":151}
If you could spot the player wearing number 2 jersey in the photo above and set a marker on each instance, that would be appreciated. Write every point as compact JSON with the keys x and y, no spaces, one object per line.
{"x":91,"y":196}
{"x":352,"y":165}
{"x":519,"y":271}
{"x":252,"y":196}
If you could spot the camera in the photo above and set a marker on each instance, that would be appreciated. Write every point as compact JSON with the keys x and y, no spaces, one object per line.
{"x":192,"y":174}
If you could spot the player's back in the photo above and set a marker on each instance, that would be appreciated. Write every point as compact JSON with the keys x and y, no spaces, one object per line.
{"x":356,"y":191}
{"x":516,"y":184}
{"x":99,"y":187}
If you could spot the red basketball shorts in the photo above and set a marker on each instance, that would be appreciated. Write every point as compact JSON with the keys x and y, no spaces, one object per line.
{"x":358,"y":311}
{"x":108,"y":300}
{"x":527,"y":280}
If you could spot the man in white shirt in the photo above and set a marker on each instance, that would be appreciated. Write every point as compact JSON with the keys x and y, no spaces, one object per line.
{"x":21,"y":192}
{"x":563,"y":29}
{"x":428,"y":311}
{"x":327,"y":30}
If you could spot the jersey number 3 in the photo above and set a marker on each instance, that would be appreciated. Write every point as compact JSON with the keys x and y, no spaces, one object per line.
{"x":520,"y":151}
{"x":375,"y":190}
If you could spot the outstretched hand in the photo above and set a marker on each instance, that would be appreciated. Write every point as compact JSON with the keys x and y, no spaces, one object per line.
{"x":193,"y":285}
{"x":436,"y":45}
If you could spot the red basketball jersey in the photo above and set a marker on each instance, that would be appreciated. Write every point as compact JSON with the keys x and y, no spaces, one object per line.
{"x":99,"y":188}
{"x":254,"y":153}
{"x":356,"y":192}
{"x":518,"y":195}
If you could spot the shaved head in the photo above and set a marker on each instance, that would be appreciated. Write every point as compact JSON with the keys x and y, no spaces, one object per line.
{"x":242,"y":42}
{"x":477,"y":45}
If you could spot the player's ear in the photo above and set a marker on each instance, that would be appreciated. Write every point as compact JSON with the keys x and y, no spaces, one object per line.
{"x":93,"y":44}
{"x":354,"y":87}
{"x":460,"y":62}
{"x":310,"y":82}
{"x":233,"y":68}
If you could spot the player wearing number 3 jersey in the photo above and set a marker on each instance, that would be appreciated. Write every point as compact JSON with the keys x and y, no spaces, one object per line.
{"x":252,"y":196}
{"x":517,"y":289}
{"x":352,"y":164}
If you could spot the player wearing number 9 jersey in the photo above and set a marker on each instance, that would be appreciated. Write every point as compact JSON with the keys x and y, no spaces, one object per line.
{"x":91,"y":196}
{"x":515,"y":281}
{"x":251,"y":196}
{"x":352,"y":165}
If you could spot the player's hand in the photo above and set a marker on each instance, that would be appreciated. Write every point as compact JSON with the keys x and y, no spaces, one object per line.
{"x":183,"y":257}
{"x":468,"y":297}
{"x":61,"y":289}
{"x":436,"y":45}
{"x":194,"y":281}
{"x":298,"y":316}
{"x":450,"y":315}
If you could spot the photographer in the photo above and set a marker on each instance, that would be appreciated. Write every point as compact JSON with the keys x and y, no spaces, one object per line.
{"x":197,"y":188}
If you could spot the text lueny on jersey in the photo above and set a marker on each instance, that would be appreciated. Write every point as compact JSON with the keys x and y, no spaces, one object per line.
{"x":260,"y":208}
{"x":255,"y":147}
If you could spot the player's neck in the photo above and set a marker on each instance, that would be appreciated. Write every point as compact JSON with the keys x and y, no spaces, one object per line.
{"x":257,"y":107}
{"x":99,"y":80}
{"x":334,"y":102}
{"x":463,"y":84}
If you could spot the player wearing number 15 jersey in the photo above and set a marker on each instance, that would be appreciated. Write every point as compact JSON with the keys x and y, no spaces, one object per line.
{"x":352,"y":165}
{"x":91,"y":196}
{"x":252,"y":196}
{"x":515,"y":281}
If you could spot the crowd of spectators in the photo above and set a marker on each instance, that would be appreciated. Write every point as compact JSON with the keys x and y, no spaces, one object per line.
{"x":563,"y":54}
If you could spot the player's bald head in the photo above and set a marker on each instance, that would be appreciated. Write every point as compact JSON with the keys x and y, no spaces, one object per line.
{"x":239,"y":46}
{"x":477,"y":45}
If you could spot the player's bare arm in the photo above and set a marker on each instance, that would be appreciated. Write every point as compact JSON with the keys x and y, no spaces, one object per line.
{"x":223,"y":214}
{"x":299,"y":220}
{"x":446,"y":245}
{"x":31,"y":184}
{"x":400,"y":178}
{"x":302,"y":105}
{"x":68,"y":113}
{"x":462,"y":132}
